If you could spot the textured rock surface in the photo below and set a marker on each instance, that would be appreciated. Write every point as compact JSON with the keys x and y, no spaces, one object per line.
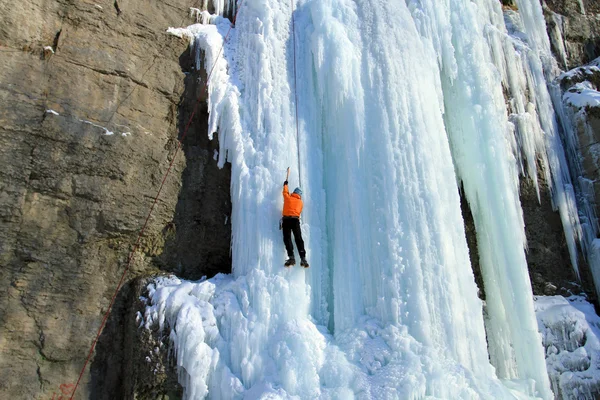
{"x":147,"y":364}
{"x":581,"y":121}
{"x":585,"y":123}
{"x":73,"y":196}
{"x":574,"y":29}
{"x":548,"y":259}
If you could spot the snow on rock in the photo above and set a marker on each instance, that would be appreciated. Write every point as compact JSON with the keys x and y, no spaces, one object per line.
{"x":580,"y":85}
{"x":581,"y":95}
{"x":106,"y":131}
{"x":581,"y":73}
{"x":181,"y":33}
{"x":570,"y":332}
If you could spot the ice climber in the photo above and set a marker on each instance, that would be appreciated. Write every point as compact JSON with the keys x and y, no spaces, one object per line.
{"x":292,"y":207}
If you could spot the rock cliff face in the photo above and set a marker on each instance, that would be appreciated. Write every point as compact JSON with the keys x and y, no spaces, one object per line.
{"x":93,"y":96}
{"x":579,"y":86}
{"x":574,"y":30}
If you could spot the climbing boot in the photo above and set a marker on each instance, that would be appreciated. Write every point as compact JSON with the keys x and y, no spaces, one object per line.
{"x":304,"y":263}
{"x":290,"y":262}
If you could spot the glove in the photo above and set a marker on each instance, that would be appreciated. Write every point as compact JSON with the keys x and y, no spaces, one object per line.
{"x":285,"y":183}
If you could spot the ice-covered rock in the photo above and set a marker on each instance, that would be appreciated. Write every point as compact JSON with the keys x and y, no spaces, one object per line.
{"x":570,"y":330}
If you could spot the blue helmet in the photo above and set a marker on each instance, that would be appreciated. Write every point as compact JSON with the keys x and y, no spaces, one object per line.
{"x":298,"y":191}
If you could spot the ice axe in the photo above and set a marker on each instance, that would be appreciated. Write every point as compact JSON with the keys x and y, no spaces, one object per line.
{"x":287,"y":176}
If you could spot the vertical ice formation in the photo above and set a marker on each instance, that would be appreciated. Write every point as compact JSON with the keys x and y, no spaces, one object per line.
{"x":399,"y":103}
{"x":526,"y":66}
{"x":579,"y":219}
{"x":477,"y":61}
{"x":541,"y":69}
{"x":555,"y":33}
{"x":397,"y":246}
{"x":217,"y":7}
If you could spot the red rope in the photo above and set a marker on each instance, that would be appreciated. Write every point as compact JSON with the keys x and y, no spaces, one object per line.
{"x":137,"y":242}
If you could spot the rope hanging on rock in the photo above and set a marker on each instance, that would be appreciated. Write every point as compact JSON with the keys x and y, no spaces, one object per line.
{"x":141,"y":232}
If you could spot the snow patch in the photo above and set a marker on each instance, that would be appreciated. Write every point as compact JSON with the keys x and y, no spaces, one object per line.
{"x":182,"y":33}
{"x":582,"y":94}
{"x":570,"y":332}
{"x":106,"y":131}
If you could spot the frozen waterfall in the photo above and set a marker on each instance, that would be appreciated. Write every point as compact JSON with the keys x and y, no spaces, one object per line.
{"x":401,"y":106}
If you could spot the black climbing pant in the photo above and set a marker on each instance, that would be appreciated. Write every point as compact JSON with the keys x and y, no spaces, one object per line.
{"x":289,"y":225}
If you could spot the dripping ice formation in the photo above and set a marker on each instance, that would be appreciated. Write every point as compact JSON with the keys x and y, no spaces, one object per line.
{"x":400,"y":106}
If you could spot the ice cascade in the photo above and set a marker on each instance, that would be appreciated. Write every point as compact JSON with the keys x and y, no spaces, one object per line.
{"x":401,"y":106}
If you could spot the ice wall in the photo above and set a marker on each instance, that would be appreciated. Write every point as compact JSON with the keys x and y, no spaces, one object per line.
{"x":541,"y":69}
{"x":480,"y":137}
{"x":399,"y":104}
{"x":571,"y":191}
{"x":388,"y":176}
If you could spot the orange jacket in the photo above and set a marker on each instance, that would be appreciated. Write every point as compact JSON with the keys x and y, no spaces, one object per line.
{"x":292,"y":204}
